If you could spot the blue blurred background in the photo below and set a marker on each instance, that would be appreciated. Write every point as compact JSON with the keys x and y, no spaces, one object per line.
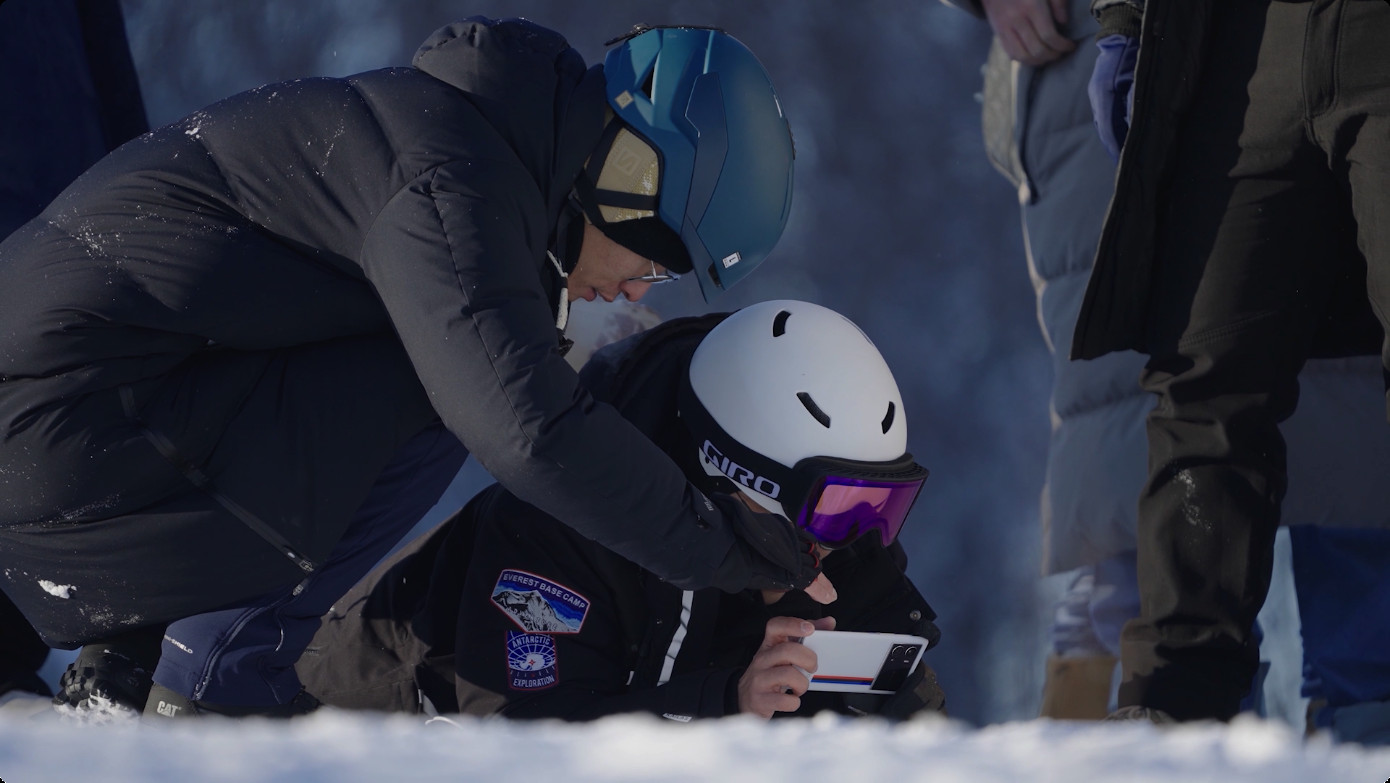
{"x":898,"y":222}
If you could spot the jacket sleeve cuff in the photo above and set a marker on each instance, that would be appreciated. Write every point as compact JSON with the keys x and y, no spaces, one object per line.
{"x":712,"y":693}
{"x":1118,"y":17}
{"x":731,"y":691}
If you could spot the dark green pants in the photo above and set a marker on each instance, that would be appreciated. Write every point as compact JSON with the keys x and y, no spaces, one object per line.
{"x":1279,"y":202}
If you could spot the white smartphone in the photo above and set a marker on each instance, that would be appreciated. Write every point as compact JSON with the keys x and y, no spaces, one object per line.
{"x":858,"y":662}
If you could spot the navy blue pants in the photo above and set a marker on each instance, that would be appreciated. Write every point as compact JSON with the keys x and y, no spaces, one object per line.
{"x":1343,"y":602}
{"x":245,"y":656}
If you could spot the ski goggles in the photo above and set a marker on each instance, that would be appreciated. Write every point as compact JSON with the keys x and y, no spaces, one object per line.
{"x":843,"y":499}
{"x":834,"y":500}
{"x":648,"y":237}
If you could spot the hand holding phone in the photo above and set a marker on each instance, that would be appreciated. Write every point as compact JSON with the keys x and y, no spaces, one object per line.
{"x":776,"y":677}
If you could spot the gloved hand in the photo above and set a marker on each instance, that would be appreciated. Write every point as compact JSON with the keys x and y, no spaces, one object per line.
{"x":769,"y":552}
{"x":1112,"y":90}
{"x":920,"y":693}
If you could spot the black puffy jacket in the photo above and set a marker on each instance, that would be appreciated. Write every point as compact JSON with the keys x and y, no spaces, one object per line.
{"x":235,"y":320}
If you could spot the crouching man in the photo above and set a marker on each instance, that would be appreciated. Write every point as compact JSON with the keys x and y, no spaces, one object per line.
{"x":503,"y":609}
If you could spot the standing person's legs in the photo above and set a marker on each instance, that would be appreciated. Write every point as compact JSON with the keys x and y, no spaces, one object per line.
{"x":1241,"y":282}
{"x":244,"y":656}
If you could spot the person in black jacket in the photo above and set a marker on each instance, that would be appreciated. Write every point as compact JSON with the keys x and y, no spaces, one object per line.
{"x":1249,"y":222}
{"x":66,"y":69}
{"x":243,"y":353}
{"x":505,"y":610}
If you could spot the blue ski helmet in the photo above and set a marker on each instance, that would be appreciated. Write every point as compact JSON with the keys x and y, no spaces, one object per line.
{"x":702,"y":100}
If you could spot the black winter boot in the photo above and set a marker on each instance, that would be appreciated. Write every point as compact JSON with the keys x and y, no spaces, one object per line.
{"x":111,"y":677}
{"x":164,"y":703}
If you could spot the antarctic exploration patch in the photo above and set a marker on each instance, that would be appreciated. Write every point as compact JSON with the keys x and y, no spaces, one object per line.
{"x":532,"y":663}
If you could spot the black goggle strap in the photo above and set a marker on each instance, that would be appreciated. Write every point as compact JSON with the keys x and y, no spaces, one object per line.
{"x":747,"y":469}
{"x":592,"y":197}
{"x":651,"y":238}
{"x":903,"y":469}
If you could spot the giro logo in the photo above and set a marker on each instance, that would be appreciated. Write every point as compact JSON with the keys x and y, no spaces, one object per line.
{"x":740,"y":474}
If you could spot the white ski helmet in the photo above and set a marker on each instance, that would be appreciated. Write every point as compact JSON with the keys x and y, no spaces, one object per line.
{"x":792,"y":402}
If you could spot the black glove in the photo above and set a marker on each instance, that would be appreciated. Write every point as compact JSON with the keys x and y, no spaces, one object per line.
{"x":920,"y":693}
{"x":768,"y":553}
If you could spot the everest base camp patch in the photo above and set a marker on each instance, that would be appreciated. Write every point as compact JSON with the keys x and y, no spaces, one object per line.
{"x":531,"y":661}
{"x":537,"y":604}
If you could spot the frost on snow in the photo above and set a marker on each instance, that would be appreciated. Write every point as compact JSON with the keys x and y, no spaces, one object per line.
{"x":333,"y":746}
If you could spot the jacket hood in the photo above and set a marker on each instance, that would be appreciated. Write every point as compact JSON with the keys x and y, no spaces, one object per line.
{"x":531,"y":85}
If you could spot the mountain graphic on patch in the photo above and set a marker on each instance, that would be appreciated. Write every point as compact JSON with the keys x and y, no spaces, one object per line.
{"x":539,"y":605}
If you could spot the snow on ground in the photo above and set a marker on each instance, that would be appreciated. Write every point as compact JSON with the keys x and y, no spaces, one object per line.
{"x":336,"y":747}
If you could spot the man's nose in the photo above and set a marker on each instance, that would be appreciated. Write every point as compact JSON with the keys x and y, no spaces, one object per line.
{"x":634,"y":289}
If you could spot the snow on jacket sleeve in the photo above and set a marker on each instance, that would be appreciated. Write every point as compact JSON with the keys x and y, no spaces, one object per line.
{"x":453,"y":257}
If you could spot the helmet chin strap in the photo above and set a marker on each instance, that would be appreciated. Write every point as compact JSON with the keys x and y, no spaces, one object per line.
{"x":569,"y":238}
{"x":562,"y":308}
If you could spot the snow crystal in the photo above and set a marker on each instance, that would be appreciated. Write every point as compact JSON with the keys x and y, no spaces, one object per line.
{"x":98,"y":711}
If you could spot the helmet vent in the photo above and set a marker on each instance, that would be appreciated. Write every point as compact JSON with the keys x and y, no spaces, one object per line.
{"x":779,"y":326}
{"x":888,"y":419}
{"x":648,"y":83}
{"x":812,"y":408}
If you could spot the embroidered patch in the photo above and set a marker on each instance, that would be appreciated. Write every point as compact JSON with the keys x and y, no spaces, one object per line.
{"x":531,"y":661}
{"x":537,"y":604}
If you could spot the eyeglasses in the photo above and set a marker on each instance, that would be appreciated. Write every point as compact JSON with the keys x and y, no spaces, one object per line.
{"x":654,"y":277}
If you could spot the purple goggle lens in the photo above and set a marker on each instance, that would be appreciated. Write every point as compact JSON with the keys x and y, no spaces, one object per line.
{"x":842,"y":509}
